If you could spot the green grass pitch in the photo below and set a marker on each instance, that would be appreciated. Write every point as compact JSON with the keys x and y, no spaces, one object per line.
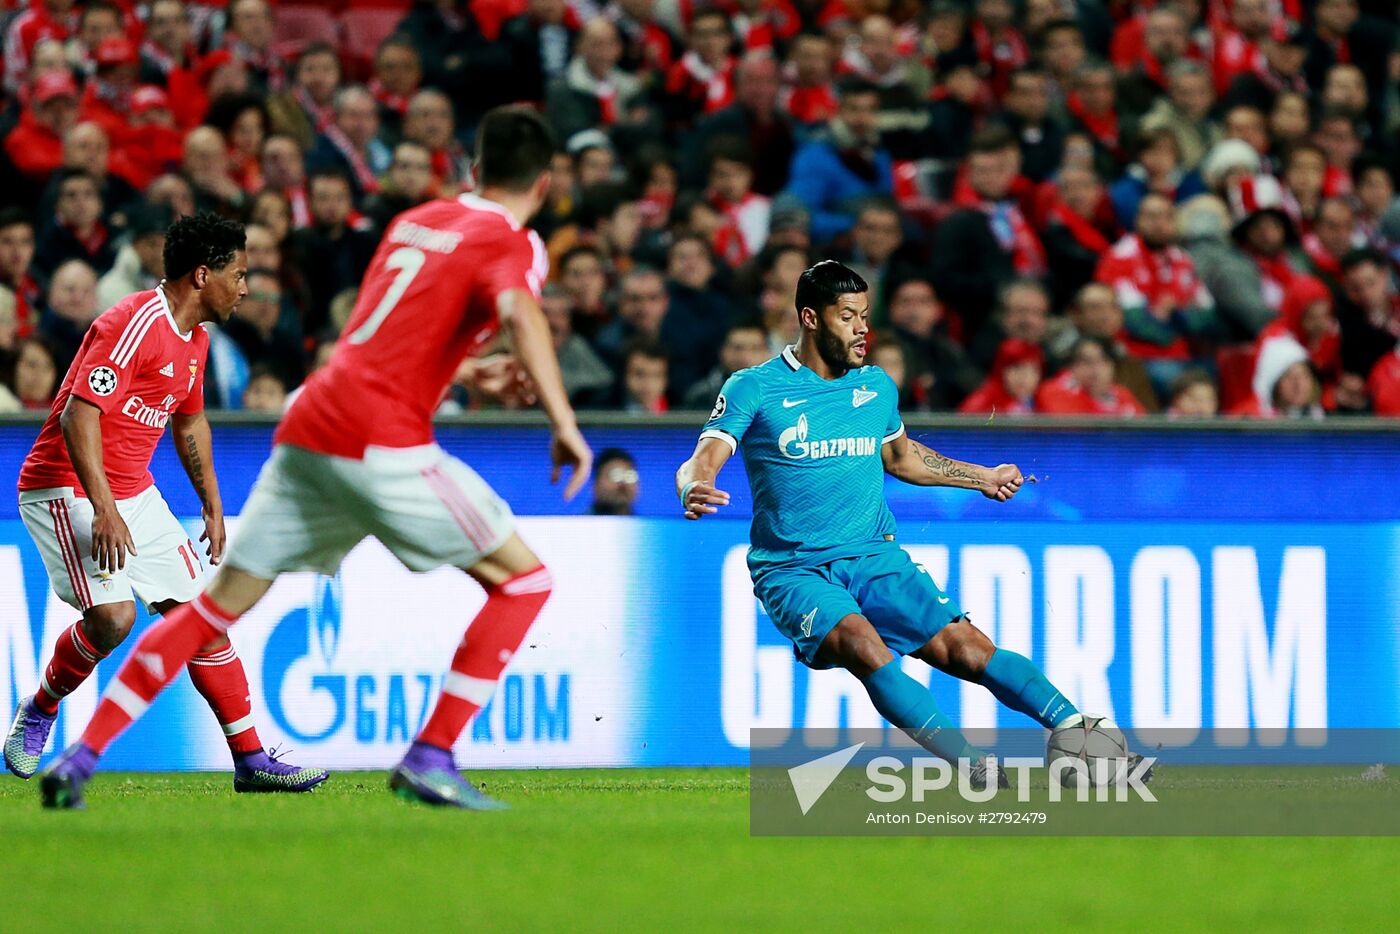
{"x":644,"y":850}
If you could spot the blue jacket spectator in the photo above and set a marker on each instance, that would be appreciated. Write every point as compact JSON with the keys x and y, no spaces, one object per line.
{"x":833,"y":174}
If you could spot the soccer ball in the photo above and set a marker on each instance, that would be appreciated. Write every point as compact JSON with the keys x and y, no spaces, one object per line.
{"x":1096,"y":745}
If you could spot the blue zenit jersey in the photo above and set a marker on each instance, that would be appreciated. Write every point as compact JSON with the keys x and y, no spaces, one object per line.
{"x":812,"y":448}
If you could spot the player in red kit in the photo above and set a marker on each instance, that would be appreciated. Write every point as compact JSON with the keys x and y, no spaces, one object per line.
{"x":87,"y":496}
{"x":355,"y":456}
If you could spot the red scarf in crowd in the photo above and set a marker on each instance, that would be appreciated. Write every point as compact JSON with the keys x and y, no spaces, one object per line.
{"x":164,"y":60}
{"x":1104,"y":127}
{"x":359,"y":167}
{"x":1011,"y":229}
{"x":321,"y":117}
{"x":93,"y":242}
{"x":300,"y":205}
{"x":692,"y":77}
{"x":1325,"y":262}
{"x":398,"y":103}
{"x":1276,"y":82}
{"x":1081,"y":229}
{"x":266,"y":62}
{"x":27,"y":298}
{"x":1275,"y":277}
{"x":808,"y":105}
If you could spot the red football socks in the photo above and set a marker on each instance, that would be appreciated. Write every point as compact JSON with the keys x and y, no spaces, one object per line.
{"x":74,"y":658}
{"x":154,"y":662}
{"x":485,"y":650}
{"x":219,"y":677}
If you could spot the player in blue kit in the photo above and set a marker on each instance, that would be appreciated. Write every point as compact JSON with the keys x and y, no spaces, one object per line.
{"x":819,"y":430}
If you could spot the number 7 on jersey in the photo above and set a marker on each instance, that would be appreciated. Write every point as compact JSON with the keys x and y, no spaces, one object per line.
{"x":408,"y":261}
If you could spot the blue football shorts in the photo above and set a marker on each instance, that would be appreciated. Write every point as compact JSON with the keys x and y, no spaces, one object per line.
{"x":898,"y":596}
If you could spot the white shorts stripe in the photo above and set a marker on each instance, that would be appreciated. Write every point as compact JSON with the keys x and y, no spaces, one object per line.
{"x":132,"y":327}
{"x":67,"y":548}
{"x":76,"y":552}
{"x":238,"y":726}
{"x":476,"y":690}
{"x":452,"y":496}
{"x":443,"y":490}
{"x":127,"y":699}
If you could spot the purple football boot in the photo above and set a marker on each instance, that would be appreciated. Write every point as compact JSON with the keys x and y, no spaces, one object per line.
{"x":28,"y":734}
{"x":263,"y":772}
{"x":61,"y":785}
{"x":428,"y":774}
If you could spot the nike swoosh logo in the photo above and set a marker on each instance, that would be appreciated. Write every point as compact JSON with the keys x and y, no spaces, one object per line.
{"x":942,"y":600}
{"x":789,"y":403}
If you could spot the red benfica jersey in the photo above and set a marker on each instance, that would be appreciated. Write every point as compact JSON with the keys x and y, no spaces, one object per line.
{"x":137,"y":368}
{"x":427,"y":301}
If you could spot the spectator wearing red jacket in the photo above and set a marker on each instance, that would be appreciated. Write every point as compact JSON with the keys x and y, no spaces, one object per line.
{"x":1010,"y":387}
{"x":1237,"y":49}
{"x":156,"y":146}
{"x":1164,"y":303}
{"x":45,"y":19}
{"x":35,"y":146}
{"x":107,"y":95}
{"x":1086,"y":387}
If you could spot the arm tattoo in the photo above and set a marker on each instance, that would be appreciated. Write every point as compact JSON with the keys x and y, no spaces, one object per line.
{"x":945,"y":467}
{"x":195,"y":466}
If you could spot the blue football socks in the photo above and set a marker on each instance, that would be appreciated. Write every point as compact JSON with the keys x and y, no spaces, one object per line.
{"x":908,"y":705}
{"x":1016,"y":682}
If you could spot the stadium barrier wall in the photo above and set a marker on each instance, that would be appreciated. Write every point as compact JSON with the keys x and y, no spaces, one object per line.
{"x":1167,"y":575}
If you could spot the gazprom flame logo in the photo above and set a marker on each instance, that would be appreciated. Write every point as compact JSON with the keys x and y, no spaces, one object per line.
{"x":325,"y":618}
{"x":794,"y":444}
{"x":793,"y":441}
{"x":305,"y":641}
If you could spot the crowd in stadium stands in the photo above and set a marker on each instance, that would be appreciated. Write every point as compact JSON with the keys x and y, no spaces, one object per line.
{"x":1061,"y":206}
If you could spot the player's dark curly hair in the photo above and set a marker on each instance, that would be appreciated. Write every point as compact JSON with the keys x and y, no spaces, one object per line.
{"x":205,"y":239}
{"x":820,"y":285}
